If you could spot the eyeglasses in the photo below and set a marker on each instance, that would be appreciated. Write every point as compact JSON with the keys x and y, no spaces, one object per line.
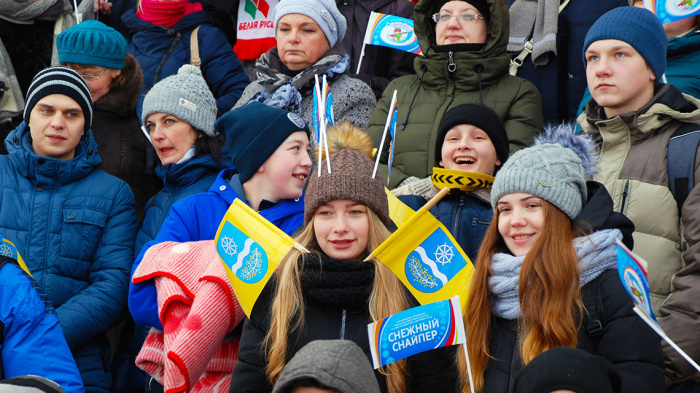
{"x":461,"y":17}
{"x":90,"y":77}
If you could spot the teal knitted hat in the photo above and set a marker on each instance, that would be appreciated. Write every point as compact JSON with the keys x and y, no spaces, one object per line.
{"x":92,"y":43}
{"x":554,"y":169}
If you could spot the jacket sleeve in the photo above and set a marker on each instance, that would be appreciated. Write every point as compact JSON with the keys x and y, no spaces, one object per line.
{"x":249,"y":374}
{"x":627,"y":342}
{"x":375,"y":129}
{"x":678,"y":315}
{"x":33,"y":334}
{"x":525,"y":117}
{"x":143,"y":298}
{"x":221,"y":68}
{"x":101,"y":305}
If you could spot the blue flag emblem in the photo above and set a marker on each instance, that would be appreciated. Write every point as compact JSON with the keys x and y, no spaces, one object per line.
{"x":246,"y":258}
{"x":432,"y":264}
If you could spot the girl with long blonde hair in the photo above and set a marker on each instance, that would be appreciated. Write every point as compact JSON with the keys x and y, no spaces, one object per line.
{"x":546,"y":273}
{"x":332,"y":292}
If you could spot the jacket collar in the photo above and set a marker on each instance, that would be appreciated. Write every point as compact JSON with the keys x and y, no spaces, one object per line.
{"x":122,"y":100}
{"x":49,"y":171}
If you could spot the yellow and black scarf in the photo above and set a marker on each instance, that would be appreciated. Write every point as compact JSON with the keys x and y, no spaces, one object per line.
{"x":460,"y":180}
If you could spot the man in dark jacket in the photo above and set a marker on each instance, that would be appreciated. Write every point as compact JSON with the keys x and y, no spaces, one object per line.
{"x":74,"y":223}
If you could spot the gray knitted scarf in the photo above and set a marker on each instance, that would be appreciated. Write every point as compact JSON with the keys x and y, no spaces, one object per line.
{"x":536,"y":19}
{"x":27,"y":11}
{"x":595,"y":253}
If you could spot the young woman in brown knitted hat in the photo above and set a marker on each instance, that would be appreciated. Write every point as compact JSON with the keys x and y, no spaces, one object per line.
{"x":332,"y":292}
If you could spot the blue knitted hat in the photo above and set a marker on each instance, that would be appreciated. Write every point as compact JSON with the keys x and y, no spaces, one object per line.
{"x":254,"y":131}
{"x":636,"y":26}
{"x":92,"y":43}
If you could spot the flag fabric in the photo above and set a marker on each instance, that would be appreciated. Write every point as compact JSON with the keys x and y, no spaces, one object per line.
{"x":399,"y":212}
{"x":416,"y":330}
{"x":393,"y":32}
{"x":8,"y":249}
{"x":250,"y":247}
{"x":329,"y":106}
{"x":672,"y":10}
{"x":315,"y":119}
{"x":427,"y":259}
{"x":394,"y":110}
{"x":633,"y":273}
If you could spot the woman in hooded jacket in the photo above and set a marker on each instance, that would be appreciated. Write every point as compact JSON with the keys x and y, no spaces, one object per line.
{"x":464,"y":61}
{"x":546,"y":275}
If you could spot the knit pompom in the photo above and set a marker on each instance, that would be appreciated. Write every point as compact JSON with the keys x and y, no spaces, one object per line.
{"x":347,"y":136}
{"x":565,"y":134}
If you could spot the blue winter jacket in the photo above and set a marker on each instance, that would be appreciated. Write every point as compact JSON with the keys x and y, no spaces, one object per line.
{"x":33,"y":333}
{"x":150,"y":44}
{"x":179,"y":181}
{"x":74,"y":225}
{"x":465,"y":215}
{"x":197,"y":218}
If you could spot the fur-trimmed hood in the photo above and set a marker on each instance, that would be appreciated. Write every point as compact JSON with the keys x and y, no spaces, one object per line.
{"x":123,"y":99}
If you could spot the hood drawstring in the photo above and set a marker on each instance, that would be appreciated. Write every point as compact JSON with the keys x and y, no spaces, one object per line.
{"x":424,"y":69}
{"x":479,"y":68}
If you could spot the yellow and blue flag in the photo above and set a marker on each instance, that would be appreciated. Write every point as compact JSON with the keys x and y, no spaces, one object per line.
{"x":399,"y":212}
{"x":8,"y":249}
{"x":392,"y":32}
{"x":427,"y":259}
{"x":250,"y":248}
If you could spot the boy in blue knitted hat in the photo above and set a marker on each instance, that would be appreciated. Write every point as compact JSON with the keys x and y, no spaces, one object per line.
{"x":633,"y":117}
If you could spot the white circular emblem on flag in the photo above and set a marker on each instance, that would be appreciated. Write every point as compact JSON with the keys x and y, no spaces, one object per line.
{"x":296,"y":119}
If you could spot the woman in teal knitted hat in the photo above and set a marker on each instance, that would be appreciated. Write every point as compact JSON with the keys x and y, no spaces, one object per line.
{"x":546,"y":274}
{"x":98,"y":53}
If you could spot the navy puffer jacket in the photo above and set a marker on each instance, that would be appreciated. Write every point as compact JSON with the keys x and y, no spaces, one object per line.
{"x":150,"y":44}
{"x":179,"y":182}
{"x":75,"y":225}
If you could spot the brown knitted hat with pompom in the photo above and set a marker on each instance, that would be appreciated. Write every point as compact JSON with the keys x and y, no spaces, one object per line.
{"x":350,"y":178}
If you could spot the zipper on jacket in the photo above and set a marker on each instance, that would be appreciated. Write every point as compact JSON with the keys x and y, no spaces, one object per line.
{"x":342,"y":326}
{"x":625,"y":194}
{"x":455,"y":218}
{"x":451,"y":65}
{"x":476,"y":221}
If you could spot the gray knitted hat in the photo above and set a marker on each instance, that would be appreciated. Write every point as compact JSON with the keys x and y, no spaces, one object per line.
{"x":185,"y":96}
{"x":335,"y":364}
{"x":323,"y":12}
{"x":350,"y":178}
{"x":554,"y":169}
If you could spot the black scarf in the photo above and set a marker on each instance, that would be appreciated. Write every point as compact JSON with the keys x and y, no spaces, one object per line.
{"x":337,"y":283}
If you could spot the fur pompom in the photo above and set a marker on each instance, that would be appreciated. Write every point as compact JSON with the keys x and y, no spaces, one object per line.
{"x":565,"y":134}
{"x":347,"y":136}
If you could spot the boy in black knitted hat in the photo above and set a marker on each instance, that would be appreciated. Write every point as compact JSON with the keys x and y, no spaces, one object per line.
{"x":471,"y":145}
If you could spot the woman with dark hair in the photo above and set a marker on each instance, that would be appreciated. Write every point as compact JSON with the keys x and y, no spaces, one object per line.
{"x":98,"y":53}
{"x":546,"y":275}
{"x":179,"y":114}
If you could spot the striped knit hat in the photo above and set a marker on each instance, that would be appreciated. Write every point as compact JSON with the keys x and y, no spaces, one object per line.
{"x":60,"y":80}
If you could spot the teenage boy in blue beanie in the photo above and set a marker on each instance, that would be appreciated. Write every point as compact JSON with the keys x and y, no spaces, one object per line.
{"x":632,"y":117}
{"x":270,"y":151}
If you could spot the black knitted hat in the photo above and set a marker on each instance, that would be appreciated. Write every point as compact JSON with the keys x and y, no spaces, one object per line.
{"x":254,"y":131}
{"x":478,"y":115}
{"x":60,"y":80}
{"x":563,"y":368}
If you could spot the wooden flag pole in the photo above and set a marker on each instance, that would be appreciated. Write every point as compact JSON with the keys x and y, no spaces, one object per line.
{"x":429,"y":205}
